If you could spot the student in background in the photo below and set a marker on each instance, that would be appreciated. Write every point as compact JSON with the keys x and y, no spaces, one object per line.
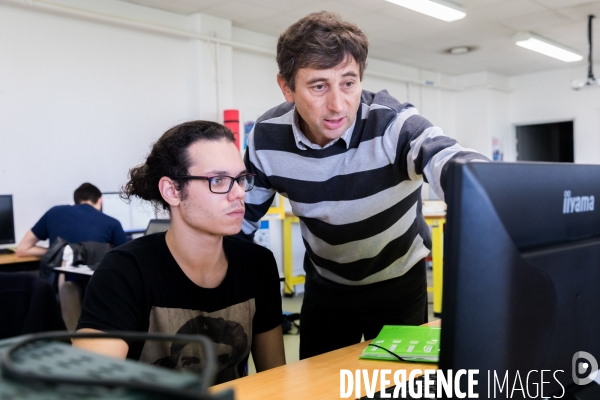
{"x":82,"y":222}
{"x":195,"y":278}
{"x":352,"y":164}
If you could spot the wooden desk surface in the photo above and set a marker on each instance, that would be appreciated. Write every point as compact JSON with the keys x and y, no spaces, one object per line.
{"x":13,"y":259}
{"x":314,"y":378}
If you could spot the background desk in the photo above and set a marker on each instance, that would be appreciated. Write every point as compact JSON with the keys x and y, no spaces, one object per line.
{"x":12,"y":263}
{"x":79,"y":270}
{"x":314,"y":378}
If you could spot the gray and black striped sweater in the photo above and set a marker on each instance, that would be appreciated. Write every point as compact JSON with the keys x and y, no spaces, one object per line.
{"x":358,"y":200}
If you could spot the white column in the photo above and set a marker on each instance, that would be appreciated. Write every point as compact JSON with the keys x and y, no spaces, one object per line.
{"x":211,"y":72}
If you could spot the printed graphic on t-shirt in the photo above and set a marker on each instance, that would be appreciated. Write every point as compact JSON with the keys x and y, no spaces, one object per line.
{"x":230,"y":329}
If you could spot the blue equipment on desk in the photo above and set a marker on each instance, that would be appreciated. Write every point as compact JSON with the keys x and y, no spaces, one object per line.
{"x":39,"y":366}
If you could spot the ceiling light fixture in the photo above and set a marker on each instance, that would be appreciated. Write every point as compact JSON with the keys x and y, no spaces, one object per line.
{"x":547,"y":47}
{"x":440,"y":9}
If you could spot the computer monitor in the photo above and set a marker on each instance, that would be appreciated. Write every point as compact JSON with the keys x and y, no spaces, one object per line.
{"x":7,"y":220}
{"x":133,"y":215}
{"x":521,"y":287}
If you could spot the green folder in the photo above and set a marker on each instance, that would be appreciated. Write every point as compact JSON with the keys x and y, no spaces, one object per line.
{"x":411,"y":343}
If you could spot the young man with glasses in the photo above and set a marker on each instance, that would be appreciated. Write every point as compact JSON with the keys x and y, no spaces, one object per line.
{"x":352,"y":164}
{"x":195,"y":271}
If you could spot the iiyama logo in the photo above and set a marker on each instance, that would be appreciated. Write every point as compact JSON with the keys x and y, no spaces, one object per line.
{"x":577,"y":204}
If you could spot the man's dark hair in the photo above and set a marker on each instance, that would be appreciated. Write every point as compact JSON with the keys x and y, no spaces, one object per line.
{"x":169,"y":157}
{"x":86,"y":192}
{"x":320,"y":40}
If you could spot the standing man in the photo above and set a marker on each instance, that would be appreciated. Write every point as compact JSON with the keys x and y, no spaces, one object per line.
{"x":195,"y":278}
{"x":352,"y":164}
{"x":83,"y":222}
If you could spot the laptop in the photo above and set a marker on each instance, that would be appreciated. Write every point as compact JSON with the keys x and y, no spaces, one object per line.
{"x":157,"y":225}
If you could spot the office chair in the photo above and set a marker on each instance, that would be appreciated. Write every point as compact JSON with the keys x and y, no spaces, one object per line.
{"x":27,"y":305}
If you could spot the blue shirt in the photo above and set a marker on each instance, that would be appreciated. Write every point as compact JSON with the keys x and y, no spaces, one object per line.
{"x":79,"y":223}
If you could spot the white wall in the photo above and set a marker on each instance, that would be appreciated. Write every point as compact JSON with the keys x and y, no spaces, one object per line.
{"x":255,"y":88}
{"x":482,"y":111}
{"x":83,"y":101}
{"x":481,"y":115}
{"x":547,"y":97}
{"x":80,"y":101}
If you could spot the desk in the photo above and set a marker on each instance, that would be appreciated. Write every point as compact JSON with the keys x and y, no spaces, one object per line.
{"x":314,"y":378}
{"x":79,"y":270}
{"x":12,"y":263}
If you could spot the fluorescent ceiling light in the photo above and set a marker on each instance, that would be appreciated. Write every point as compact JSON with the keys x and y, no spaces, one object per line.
{"x":547,"y":47}
{"x":440,"y":9}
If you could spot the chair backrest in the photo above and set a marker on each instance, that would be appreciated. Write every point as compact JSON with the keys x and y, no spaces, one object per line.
{"x":27,"y":305}
{"x":88,"y":253}
{"x":157,"y":225}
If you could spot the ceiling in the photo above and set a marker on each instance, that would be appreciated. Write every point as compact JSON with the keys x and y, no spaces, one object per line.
{"x":403,"y":36}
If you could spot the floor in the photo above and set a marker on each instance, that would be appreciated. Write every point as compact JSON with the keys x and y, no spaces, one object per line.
{"x":292,"y":342}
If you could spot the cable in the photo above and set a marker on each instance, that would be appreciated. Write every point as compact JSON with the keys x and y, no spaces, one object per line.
{"x":590,"y":61}
{"x":11,"y":370}
{"x":391,"y":352}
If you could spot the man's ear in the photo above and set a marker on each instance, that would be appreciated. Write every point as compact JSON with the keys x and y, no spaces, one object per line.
{"x":288,"y":93}
{"x":169,"y":191}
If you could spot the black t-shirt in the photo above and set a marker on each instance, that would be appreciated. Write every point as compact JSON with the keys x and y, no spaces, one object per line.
{"x":140,"y":287}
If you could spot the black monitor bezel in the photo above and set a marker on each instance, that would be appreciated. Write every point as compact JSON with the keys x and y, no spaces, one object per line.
{"x":467,"y":220}
{"x":13,"y":239}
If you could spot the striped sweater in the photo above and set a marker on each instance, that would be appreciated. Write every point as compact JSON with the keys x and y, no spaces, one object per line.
{"x":358,"y":199}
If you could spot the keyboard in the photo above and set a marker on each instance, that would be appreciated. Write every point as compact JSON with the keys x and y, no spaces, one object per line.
{"x":390,"y":390}
{"x":7,"y":251}
{"x":57,"y":359}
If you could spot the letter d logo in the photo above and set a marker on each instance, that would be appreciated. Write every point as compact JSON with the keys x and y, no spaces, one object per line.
{"x":584,"y":364}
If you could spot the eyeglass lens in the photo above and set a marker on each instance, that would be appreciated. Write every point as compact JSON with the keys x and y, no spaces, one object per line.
{"x":223,"y":184}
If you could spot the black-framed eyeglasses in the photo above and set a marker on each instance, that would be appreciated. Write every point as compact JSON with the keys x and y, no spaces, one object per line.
{"x":222,"y":184}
